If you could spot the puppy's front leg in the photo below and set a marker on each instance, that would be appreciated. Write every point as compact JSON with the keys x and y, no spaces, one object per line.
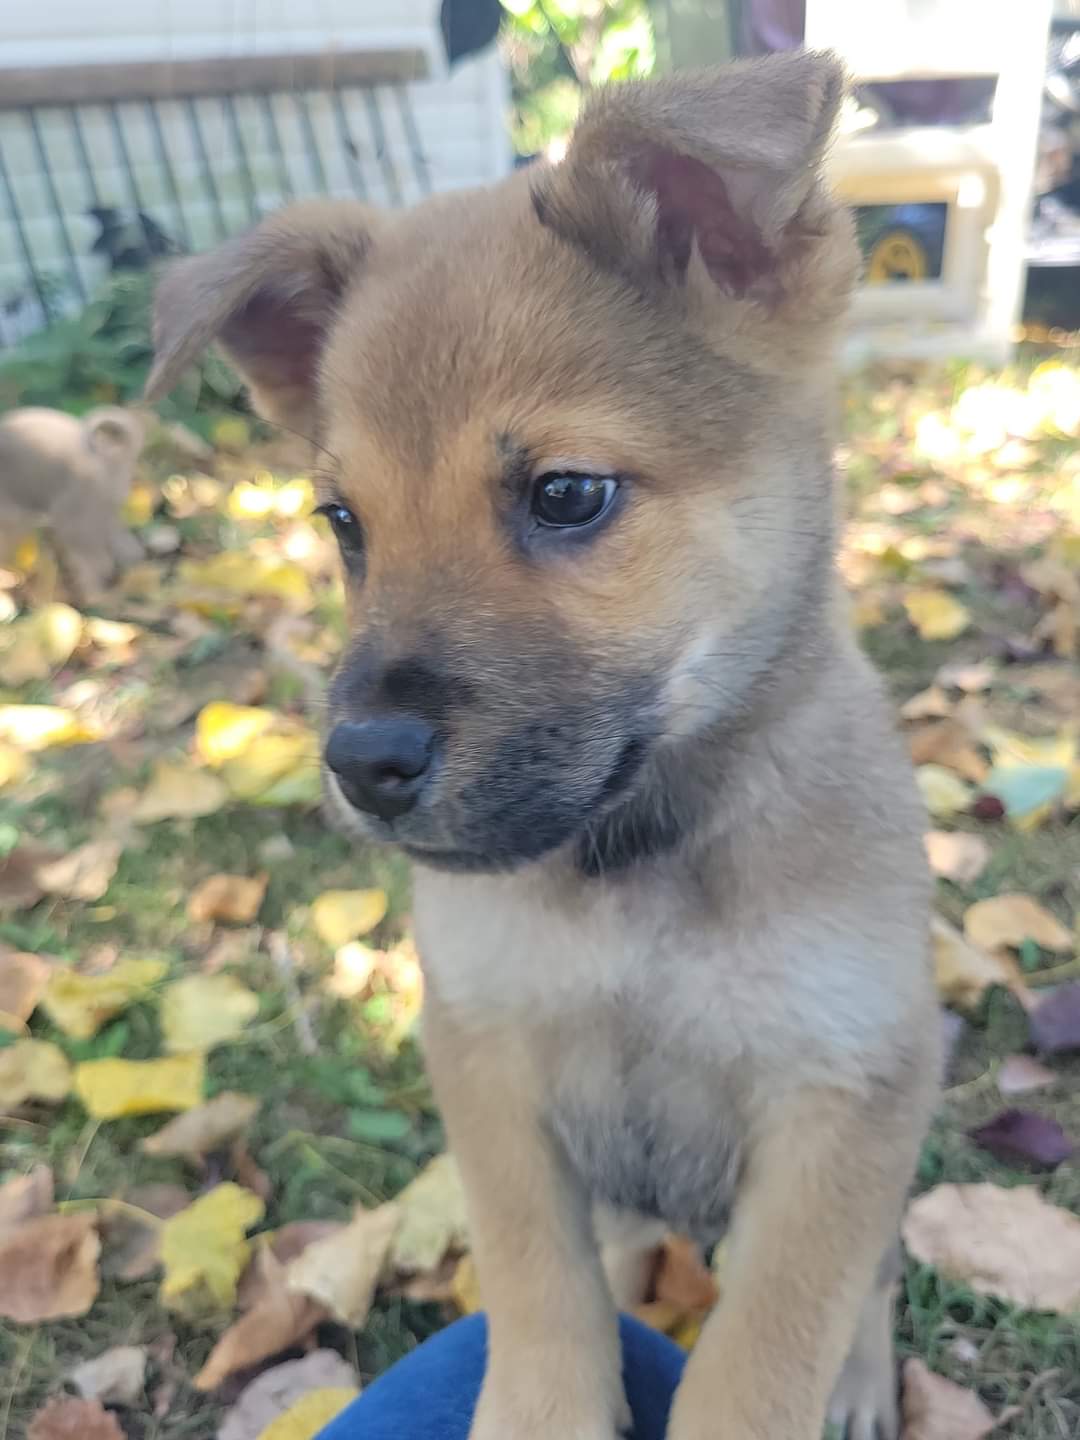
{"x":821,"y":1196}
{"x":553,"y":1353}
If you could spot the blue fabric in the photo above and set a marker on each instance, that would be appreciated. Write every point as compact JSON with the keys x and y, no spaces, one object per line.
{"x":431,"y":1394}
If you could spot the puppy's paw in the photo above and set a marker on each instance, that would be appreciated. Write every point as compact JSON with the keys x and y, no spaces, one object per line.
{"x":863,"y":1404}
{"x":525,"y":1411}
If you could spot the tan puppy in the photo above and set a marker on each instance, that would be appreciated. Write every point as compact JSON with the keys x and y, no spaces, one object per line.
{"x":71,"y":477}
{"x":601,"y":685}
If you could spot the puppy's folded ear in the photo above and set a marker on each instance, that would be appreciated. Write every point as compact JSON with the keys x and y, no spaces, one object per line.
{"x":722,"y":165}
{"x":268,"y":298}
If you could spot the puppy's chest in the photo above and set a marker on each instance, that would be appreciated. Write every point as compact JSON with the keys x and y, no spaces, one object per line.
{"x":646,"y":1130}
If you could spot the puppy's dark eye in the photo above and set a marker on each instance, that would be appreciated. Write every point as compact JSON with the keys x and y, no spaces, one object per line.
{"x":564,"y":498}
{"x":344,"y":524}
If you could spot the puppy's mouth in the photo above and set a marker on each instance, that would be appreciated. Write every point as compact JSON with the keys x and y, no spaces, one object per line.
{"x":525,"y":827}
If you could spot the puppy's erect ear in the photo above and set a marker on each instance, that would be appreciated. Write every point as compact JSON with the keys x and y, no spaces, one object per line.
{"x":721,"y":163}
{"x":268,"y":298}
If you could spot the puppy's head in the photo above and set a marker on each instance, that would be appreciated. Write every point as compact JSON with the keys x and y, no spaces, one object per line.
{"x":575,"y":434}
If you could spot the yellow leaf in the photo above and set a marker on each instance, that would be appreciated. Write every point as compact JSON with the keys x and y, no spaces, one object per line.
{"x":32,"y":1070}
{"x":466,"y":1287}
{"x":14,"y":765}
{"x":343,"y":915}
{"x":40,"y":642}
{"x":240,"y":573}
{"x":179,"y":790}
{"x":269,"y":761}
{"x":943,"y":792}
{"x":111,"y":1088}
{"x":23,"y":978}
{"x":204,"y":1250}
{"x":964,"y":971}
{"x":433,"y":1218}
{"x":80,"y":1004}
{"x":1010,"y":748}
{"x":1009,"y":920}
{"x":37,"y":727}
{"x":306,"y":1418}
{"x":224,"y":730}
{"x":202,"y":1011}
{"x":936,"y":615}
{"x":231,"y":433}
{"x":341,"y":1271}
{"x":232,"y":898}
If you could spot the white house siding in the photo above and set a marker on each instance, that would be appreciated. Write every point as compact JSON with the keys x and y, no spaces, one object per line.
{"x":459,"y":115}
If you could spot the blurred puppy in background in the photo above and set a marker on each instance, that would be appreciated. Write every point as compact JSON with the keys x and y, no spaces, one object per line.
{"x":601,"y":685}
{"x":70,"y":477}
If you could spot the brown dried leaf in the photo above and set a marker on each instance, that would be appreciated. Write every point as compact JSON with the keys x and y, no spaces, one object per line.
{"x":22,"y":982}
{"x":1009,"y":920}
{"x":19,"y":887}
{"x":949,"y":743}
{"x":85,"y":873}
{"x":964,"y":972}
{"x":1006,"y":1242}
{"x":956,"y":856}
{"x":275,"y":1390}
{"x":931,"y":704}
{"x":48,"y":1268}
{"x":341,"y":1272}
{"x":26,"y":1196}
{"x":115,"y":1377}
{"x":131,"y":1232}
{"x":273,"y":1251}
{"x":234,"y":899}
{"x":279,"y":1321}
{"x":938,"y":1409}
{"x":64,"y":1418}
{"x":194,"y":1133}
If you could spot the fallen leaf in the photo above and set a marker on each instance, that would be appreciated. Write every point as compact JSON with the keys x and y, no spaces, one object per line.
{"x":354,"y":965}
{"x":277,"y":769}
{"x":929,"y":704}
{"x":48,"y":1268}
{"x":131,"y":1229}
{"x":250,"y":576}
{"x":39,"y":727}
{"x":1006,"y":1242}
{"x":272,"y":1252}
{"x":179,"y":790}
{"x":432,"y":1217}
{"x":951,"y":744}
{"x":1055,"y":1021}
{"x":204,"y":1250}
{"x":944,"y":793}
{"x":956,"y":856}
{"x":275,"y":1390}
{"x":1024,"y":1136}
{"x":1027,"y":793}
{"x":19,"y":886}
{"x":1010,"y":920}
{"x":33,"y":1070}
{"x":466,"y":1287}
{"x":115,"y":1377}
{"x":14,"y":765}
{"x":38,"y":643}
{"x":970,"y":678}
{"x":339,"y":916}
{"x":223,"y":730}
{"x":964,"y":972}
{"x":234,"y":899}
{"x":22,"y":982}
{"x":26,"y":1196}
{"x":1020,"y":1074}
{"x":208,"y":1127}
{"x":682,"y":1279}
{"x":278,"y":1322}
{"x":307,"y":1417}
{"x":202,"y":1011}
{"x":80,"y":1004}
{"x":246,"y":1171}
{"x":938,"y":1409}
{"x":65,"y":1418}
{"x":85,"y":873}
{"x":936,"y":614}
{"x":111,"y":1088}
{"x":341,"y":1272}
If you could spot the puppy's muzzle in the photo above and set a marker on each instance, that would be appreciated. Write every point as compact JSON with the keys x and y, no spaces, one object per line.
{"x":382,"y":764}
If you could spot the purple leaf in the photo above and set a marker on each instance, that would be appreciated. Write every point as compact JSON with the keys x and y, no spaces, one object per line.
{"x":1055,"y":1021}
{"x":1025,"y":1136}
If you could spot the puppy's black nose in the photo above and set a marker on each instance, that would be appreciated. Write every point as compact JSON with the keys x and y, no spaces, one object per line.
{"x":381,"y":764}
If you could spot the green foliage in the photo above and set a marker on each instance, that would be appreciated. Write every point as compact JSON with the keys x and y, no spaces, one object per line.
{"x":102,"y":356}
{"x":557,"y":48}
